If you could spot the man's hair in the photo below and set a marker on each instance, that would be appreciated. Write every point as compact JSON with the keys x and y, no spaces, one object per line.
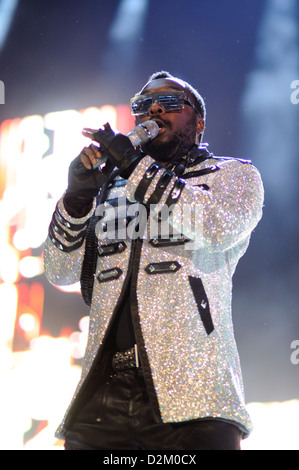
{"x":199,"y":101}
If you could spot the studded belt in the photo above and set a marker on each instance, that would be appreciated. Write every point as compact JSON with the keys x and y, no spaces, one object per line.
{"x":126,"y":359}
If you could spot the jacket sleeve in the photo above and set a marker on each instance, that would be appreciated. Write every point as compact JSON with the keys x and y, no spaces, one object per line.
{"x":65,"y":246}
{"x":216,"y":211}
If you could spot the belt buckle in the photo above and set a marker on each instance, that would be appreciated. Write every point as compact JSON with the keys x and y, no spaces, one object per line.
{"x":126,"y":360}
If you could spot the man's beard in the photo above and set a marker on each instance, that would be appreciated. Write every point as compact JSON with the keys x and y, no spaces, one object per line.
{"x":175,"y":148}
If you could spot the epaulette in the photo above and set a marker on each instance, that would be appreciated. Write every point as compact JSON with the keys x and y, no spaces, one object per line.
{"x":241,"y":160}
{"x":214,"y":167}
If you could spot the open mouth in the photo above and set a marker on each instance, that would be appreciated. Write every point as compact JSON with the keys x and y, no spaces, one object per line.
{"x":160,"y":123}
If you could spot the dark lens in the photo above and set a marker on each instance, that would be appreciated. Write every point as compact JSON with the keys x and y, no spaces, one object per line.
{"x":141,"y":106}
{"x":172,"y":102}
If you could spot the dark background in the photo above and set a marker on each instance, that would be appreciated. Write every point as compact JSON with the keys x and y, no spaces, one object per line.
{"x":242,"y":56}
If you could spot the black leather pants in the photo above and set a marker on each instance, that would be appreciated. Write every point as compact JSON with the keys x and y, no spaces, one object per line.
{"x":119,"y":417}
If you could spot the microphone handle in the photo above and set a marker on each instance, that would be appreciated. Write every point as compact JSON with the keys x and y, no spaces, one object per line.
{"x":82,"y":169}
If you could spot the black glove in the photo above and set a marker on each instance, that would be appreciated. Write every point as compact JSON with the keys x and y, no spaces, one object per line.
{"x":119,"y":149}
{"x":83,"y":187}
{"x":86,"y":184}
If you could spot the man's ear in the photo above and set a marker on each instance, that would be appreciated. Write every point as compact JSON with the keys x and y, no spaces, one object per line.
{"x":200,"y":127}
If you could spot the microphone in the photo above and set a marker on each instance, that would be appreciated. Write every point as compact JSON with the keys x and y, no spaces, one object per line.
{"x":144,"y":132}
{"x":138,"y":136}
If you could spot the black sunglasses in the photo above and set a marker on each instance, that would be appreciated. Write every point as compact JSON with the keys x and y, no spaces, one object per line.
{"x":171,"y":101}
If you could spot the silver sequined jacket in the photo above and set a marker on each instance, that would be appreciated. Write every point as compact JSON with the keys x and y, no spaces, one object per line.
{"x":182,"y":282}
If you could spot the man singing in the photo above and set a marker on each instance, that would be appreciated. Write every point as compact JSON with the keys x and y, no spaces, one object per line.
{"x":161,"y":369}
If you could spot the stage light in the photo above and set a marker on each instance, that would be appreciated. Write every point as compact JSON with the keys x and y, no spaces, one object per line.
{"x":270,"y":118}
{"x":84,"y":324}
{"x":7,"y":10}
{"x":124,"y":36}
{"x":129,"y":20}
{"x":275,"y":426}
{"x":20,"y":240}
{"x":27,"y":322}
{"x":31,"y":266}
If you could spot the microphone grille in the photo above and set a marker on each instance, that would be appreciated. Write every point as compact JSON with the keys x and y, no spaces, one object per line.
{"x":152,"y":128}
{"x":143,"y":133}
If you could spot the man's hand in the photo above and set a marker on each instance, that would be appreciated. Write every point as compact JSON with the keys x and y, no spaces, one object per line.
{"x":117,"y":147}
{"x":86,"y":184}
{"x":90,"y":156}
{"x":83,"y":186}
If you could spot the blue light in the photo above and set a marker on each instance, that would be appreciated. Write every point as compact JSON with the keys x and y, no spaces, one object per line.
{"x":7,"y":10}
{"x":270,"y":118}
{"x":129,"y":20}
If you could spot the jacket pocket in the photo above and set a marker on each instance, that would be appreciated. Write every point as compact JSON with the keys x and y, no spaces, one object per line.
{"x":202,"y":303}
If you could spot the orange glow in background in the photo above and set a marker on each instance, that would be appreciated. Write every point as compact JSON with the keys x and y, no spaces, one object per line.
{"x":39,"y":371}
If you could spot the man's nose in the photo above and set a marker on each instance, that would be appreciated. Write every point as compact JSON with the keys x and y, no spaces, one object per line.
{"x":156,"y":108}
